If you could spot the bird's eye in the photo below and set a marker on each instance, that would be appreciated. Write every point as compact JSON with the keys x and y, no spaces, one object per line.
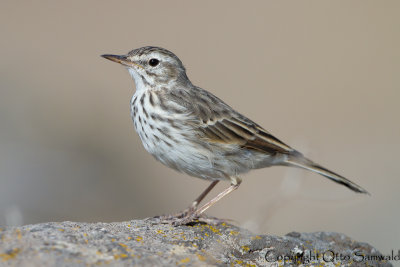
{"x":153,"y":62}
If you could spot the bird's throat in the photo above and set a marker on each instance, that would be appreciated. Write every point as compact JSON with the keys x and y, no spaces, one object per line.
{"x":138,"y":79}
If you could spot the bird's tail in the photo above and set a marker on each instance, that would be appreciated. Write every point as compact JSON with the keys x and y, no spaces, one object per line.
{"x":298,"y":160}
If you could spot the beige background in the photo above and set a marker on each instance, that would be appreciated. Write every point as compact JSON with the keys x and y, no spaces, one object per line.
{"x":322,"y":76}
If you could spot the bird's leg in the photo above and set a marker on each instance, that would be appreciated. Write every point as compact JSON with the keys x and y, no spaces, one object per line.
{"x":235,"y":182}
{"x":217,"y":198}
{"x":192,"y":208}
{"x":197,"y":201}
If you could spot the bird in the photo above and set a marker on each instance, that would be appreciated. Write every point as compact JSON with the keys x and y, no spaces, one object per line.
{"x":193,"y":131}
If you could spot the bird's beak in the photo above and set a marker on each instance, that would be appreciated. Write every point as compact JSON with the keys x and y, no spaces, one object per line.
{"x":121,"y":60}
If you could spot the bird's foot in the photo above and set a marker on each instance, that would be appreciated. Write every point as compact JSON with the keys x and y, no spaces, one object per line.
{"x":199,"y":219}
{"x":180,"y":215}
{"x":188,"y":217}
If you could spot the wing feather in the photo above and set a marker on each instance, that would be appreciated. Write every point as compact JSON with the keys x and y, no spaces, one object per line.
{"x":219,"y":123}
{"x":245,"y":134}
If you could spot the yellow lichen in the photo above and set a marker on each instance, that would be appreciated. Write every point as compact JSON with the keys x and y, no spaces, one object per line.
{"x":233,"y":232}
{"x":120,"y":256}
{"x":215,"y":230}
{"x":185,"y":260}
{"x":19,"y":235}
{"x":201,"y":257}
{"x":10,"y":255}
{"x":245,"y":248}
{"x":139,"y":238}
{"x":123,"y":245}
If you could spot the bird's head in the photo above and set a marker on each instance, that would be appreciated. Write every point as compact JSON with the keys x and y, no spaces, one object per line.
{"x":152,"y":67}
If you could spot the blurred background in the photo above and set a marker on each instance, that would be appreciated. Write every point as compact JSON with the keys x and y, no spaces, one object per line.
{"x":323,"y":76}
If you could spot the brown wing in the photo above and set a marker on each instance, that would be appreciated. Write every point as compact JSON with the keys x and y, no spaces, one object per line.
{"x":243,"y":132}
{"x":219,"y":123}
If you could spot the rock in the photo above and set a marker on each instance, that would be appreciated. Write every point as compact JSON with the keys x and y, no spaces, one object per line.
{"x":146,"y":243}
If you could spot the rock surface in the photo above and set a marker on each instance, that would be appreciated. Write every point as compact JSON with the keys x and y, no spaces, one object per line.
{"x":146,"y":243}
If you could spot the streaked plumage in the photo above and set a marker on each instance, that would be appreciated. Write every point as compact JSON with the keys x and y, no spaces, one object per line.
{"x":191,"y":130}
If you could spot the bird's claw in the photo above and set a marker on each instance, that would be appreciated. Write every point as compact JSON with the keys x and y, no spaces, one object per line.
{"x":185,"y":218}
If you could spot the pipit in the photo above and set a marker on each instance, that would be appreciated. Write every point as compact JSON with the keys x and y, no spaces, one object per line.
{"x":190,"y":130}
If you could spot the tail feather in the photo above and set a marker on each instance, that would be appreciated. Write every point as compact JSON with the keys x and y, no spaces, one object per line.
{"x":298,"y":160}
